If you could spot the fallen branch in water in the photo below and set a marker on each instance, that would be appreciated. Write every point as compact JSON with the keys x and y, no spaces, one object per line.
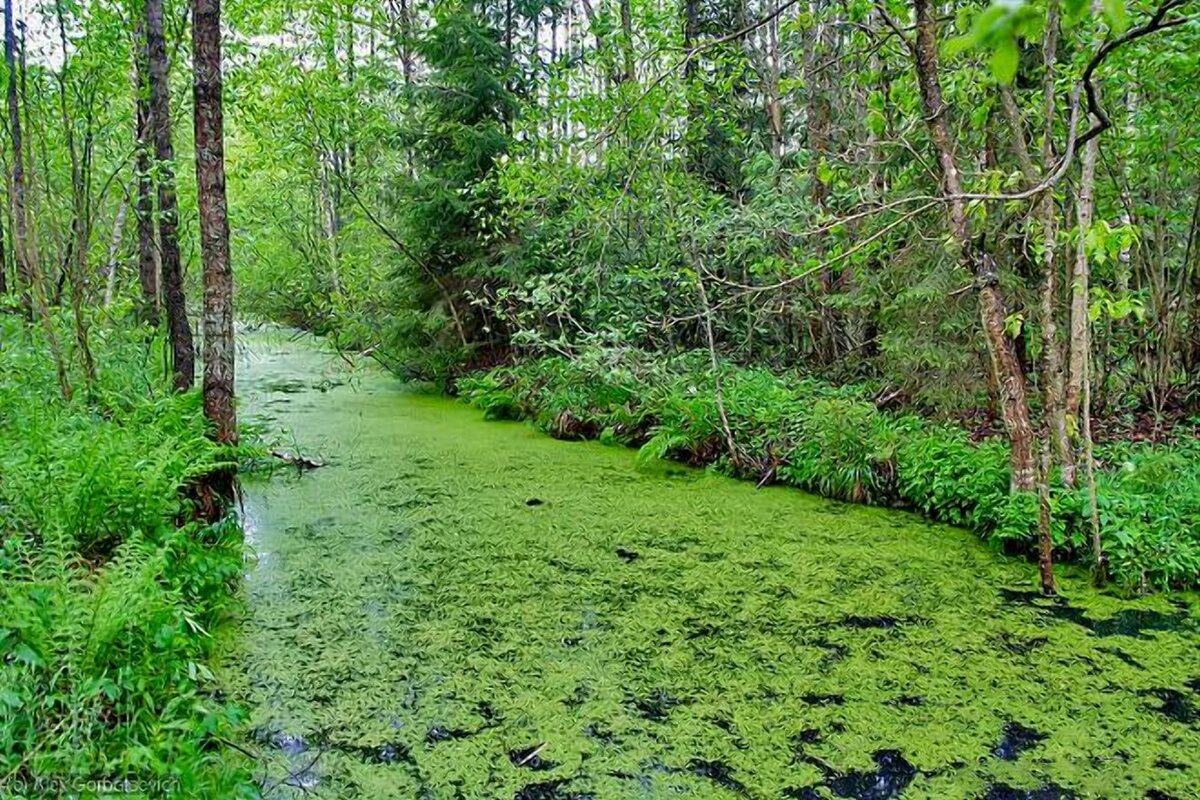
{"x":297,"y":461}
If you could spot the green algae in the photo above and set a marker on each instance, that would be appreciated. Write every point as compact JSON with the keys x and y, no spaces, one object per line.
{"x":455,"y":608}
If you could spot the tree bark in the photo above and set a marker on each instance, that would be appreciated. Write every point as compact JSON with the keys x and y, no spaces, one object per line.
{"x":214,"y":224}
{"x":1079,"y":386}
{"x":628,"y":73}
{"x":1006,"y":369}
{"x":148,"y":262}
{"x":25,"y":269}
{"x":183,"y":354}
{"x":114,"y":249}
{"x":81,"y":228}
{"x":33,"y":293}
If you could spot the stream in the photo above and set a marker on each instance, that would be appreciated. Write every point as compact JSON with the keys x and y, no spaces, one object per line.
{"x":455,"y":608}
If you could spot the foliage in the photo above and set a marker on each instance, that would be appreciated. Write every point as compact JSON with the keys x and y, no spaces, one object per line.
{"x":110,"y":595}
{"x":835,"y":442}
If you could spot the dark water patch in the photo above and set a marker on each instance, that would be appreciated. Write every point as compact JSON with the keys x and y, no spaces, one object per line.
{"x":834,"y":651}
{"x":1016,"y":739}
{"x":1020,"y":646}
{"x":286,"y":386}
{"x":1051,"y":791}
{"x":578,"y":697}
{"x":1121,"y":655}
{"x":891,"y":776}
{"x":389,"y":753}
{"x":656,"y":706}
{"x":534,"y":502}
{"x":1159,"y":794}
{"x":1174,"y":766}
{"x":1175,"y":705}
{"x":718,"y":772}
{"x":597,"y":731}
{"x":725,"y":725}
{"x":490,"y":715}
{"x":550,"y":790}
{"x":1133,"y":622}
{"x":440,"y":733}
{"x":806,"y":736}
{"x":1023,"y":596}
{"x":628,"y":556}
{"x":816,"y":699}
{"x":531,"y":758}
{"x":291,"y":745}
{"x":907,"y":701}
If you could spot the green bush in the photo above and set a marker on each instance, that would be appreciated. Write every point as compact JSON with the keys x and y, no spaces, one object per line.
{"x":834,"y":441}
{"x":108,"y":593}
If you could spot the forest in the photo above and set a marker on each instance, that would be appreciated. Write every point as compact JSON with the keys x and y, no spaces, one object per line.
{"x":856,"y":347}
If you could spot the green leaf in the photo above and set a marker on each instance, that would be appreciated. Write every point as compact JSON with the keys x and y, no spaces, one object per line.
{"x":1115,"y":14}
{"x":1005,"y":60}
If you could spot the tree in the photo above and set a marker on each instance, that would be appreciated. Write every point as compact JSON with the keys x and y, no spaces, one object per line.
{"x":183,"y":353}
{"x":214,"y":224}
{"x":148,"y":255}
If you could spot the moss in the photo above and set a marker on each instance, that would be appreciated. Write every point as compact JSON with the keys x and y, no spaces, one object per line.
{"x":648,"y":629}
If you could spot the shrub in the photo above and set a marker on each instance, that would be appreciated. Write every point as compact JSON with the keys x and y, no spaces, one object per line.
{"x":107,"y":600}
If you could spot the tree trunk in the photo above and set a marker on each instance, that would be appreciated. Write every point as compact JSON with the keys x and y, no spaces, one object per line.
{"x":80,"y":213}
{"x":33,"y":293}
{"x":1079,"y":386}
{"x":1006,"y":369}
{"x":629,"y":72}
{"x":148,"y":260}
{"x":25,"y":269}
{"x":183,"y":354}
{"x":773,"y":102}
{"x":1080,"y":278}
{"x":114,"y":250}
{"x":214,"y":225}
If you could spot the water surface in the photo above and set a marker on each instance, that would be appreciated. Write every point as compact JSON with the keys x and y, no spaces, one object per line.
{"x":453,"y":608}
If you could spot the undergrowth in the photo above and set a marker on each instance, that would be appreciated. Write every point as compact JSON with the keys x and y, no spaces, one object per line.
{"x":109,"y":591}
{"x":835,"y":442}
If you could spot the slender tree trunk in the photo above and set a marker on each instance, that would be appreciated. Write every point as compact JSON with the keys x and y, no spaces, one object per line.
{"x":1080,"y":279}
{"x":183,"y":354}
{"x":25,"y":270}
{"x":629,"y":73}
{"x":1079,"y":387}
{"x":114,"y":250}
{"x":214,"y":225}
{"x":1007,"y":370}
{"x":33,"y":293}
{"x":80,"y":223}
{"x":774,"y":104}
{"x":148,"y":261}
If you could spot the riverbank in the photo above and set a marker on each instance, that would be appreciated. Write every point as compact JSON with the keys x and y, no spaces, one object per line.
{"x":109,"y":593}
{"x":457,"y":608}
{"x":835,"y":442}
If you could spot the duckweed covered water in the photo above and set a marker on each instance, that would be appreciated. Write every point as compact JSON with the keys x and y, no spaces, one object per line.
{"x":453,"y":608}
